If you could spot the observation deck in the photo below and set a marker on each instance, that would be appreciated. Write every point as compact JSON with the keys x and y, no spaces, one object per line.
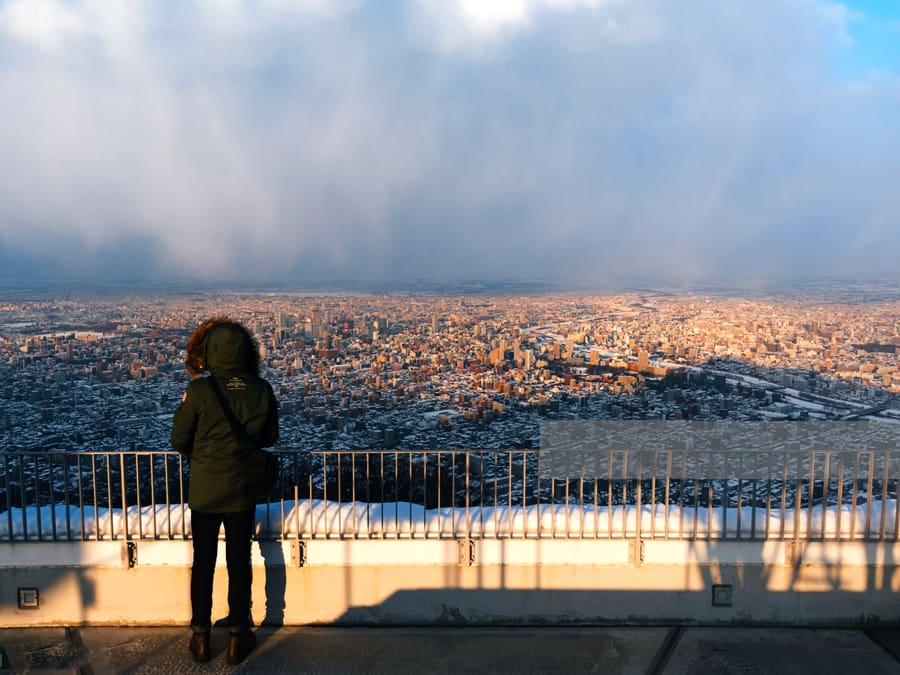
{"x":659,"y":544}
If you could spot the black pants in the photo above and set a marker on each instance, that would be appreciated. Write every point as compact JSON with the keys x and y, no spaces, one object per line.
{"x":238,"y":534}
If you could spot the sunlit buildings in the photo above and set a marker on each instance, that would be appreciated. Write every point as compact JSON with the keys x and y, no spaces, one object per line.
{"x":362,"y":371}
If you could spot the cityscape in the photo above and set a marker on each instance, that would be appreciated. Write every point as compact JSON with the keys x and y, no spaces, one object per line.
{"x":457,"y":367}
{"x":581,"y":320}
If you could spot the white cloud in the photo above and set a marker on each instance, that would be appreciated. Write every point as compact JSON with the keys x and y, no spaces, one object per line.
{"x":559,"y":138}
{"x":840,"y":17}
{"x":477,"y":27}
{"x":497,"y":15}
{"x":43,"y":23}
{"x":488,"y":17}
{"x":326,"y":8}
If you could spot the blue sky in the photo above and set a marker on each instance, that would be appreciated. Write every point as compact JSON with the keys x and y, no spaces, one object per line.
{"x":874,"y":30}
{"x":604,"y":142}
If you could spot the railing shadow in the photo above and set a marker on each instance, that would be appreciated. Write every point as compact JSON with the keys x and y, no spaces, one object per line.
{"x":26,"y":586}
{"x":462,"y":496}
{"x":534,"y":593}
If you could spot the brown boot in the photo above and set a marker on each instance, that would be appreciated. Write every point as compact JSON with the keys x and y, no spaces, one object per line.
{"x":199,"y":646}
{"x":240,"y":644}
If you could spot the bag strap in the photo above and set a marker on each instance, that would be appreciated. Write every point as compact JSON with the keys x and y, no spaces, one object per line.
{"x":239,"y":430}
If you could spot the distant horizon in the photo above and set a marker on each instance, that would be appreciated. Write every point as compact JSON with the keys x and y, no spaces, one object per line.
{"x":451,"y":286}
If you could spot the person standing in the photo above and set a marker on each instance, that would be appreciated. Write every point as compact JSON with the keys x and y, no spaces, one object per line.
{"x":218,"y":493}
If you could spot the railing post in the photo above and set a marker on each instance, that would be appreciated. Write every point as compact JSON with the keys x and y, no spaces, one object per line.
{"x":298,"y":553}
{"x":466,"y":552}
{"x":636,"y":551}
{"x":796,"y":479}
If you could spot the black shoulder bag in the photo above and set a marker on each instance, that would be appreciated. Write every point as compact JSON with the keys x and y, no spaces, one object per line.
{"x":262,"y":467}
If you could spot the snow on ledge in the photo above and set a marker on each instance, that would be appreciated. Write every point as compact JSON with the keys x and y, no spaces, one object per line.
{"x":317,"y":518}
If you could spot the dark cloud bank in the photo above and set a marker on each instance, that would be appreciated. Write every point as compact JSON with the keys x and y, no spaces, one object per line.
{"x":587,"y":142}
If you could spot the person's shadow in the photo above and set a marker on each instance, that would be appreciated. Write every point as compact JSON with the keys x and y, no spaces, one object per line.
{"x":276,"y":582}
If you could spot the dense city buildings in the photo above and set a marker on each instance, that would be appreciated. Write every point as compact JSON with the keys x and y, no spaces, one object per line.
{"x":102,"y":369}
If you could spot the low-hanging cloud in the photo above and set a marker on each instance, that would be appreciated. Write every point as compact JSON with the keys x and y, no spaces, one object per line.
{"x":594,"y":141}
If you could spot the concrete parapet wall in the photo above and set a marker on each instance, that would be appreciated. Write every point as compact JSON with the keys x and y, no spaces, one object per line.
{"x":462,"y":582}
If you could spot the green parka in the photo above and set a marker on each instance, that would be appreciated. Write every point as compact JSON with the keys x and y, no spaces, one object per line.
{"x":201,"y":432}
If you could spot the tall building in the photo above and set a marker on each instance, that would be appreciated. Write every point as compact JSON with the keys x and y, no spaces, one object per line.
{"x":643,"y":360}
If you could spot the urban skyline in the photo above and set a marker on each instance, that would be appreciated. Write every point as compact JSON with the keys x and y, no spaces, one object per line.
{"x":91,"y":370}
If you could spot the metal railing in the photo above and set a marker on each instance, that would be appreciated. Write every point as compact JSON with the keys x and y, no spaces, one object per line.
{"x":432,"y":494}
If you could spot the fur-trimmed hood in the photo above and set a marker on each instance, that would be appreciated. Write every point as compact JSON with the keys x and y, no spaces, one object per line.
{"x":222,"y":346}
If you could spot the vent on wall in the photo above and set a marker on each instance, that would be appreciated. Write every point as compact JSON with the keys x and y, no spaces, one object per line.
{"x":721,"y":595}
{"x":29,"y":598}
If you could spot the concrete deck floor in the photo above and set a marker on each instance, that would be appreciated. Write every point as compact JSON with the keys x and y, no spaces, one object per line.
{"x":607,"y":649}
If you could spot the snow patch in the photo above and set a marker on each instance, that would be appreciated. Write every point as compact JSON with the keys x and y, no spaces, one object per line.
{"x":318,"y":518}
